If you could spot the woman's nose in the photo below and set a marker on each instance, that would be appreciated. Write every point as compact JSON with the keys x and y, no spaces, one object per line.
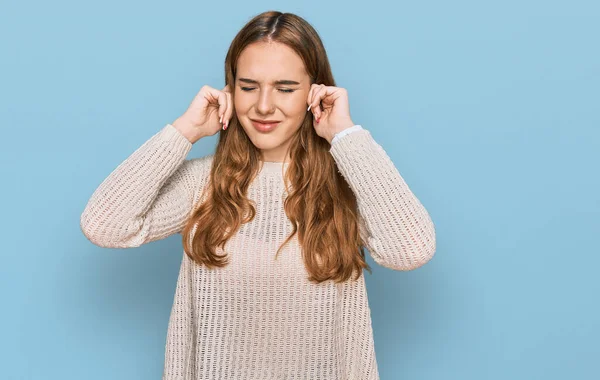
{"x":265,"y":103}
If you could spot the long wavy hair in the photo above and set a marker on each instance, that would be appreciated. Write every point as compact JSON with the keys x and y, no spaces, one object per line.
{"x":320,"y":205}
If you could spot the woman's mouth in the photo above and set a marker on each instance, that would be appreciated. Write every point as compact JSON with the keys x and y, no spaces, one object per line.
{"x":264,"y":126}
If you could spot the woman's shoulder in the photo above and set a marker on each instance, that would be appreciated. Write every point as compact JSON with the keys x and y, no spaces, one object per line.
{"x":201,"y":163}
{"x":195,"y":172}
{"x":199,"y":167}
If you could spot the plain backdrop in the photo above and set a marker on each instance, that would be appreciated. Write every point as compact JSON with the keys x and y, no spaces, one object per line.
{"x":490,"y":111}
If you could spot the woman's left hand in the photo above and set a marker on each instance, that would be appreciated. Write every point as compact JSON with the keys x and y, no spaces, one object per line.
{"x":334,"y":115}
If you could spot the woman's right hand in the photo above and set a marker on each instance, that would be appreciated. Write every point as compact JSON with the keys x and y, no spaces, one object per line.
{"x":210,"y":111}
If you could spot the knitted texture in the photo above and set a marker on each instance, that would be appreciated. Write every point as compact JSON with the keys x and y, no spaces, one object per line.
{"x":346,"y":131}
{"x":259,"y":317}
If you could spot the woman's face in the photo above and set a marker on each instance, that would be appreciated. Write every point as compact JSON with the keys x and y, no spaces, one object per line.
{"x":271,"y":85}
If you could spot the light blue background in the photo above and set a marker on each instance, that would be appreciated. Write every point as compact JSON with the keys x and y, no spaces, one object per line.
{"x":489,"y":110}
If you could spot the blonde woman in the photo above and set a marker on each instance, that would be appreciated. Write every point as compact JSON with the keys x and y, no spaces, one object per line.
{"x":274,"y":224}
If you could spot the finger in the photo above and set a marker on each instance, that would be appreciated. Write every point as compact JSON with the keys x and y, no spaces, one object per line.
{"x":227,"y":115}
{"x":218,"y":98}
{"x":316,"y":101}
{"x":310,"y":95}
{"x":314,"y":92}
{"x":222,"y":98}
{"x":229,"y":111}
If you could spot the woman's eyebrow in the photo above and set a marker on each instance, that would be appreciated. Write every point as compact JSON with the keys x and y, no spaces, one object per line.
{"x":277,"y":82}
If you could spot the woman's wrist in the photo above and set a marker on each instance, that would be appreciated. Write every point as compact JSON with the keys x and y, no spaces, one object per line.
{"x":187,"y":129}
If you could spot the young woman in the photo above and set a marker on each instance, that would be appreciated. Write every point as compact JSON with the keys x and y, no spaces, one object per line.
{"x":274,"y":223}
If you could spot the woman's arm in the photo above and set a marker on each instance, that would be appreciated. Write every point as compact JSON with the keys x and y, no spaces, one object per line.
{"x":149,"y":196}
{"x":396,"y":227}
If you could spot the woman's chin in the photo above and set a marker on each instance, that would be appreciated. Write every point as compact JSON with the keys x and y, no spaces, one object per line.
{"x":265,"y":142}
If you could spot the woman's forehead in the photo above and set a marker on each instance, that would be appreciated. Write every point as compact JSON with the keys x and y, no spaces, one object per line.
{"x":267,"y":63}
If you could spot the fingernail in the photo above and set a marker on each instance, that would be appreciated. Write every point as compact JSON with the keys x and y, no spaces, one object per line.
{"x":309,"y":107}
{"x":226,"y":124}
{"x":221,"y":120}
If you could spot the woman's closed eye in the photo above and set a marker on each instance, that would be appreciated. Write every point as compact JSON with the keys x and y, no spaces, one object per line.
{"x":285,"y":90}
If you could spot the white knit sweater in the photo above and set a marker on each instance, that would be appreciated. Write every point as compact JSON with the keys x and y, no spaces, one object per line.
{"x":260,"y":318}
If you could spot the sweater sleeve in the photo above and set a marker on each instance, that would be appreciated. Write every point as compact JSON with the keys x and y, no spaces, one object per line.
{"x":149,"y":196}
{"x":395,"y":226}
{"x":345,"y":132}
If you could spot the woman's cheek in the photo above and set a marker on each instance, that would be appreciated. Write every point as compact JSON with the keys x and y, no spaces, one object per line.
{"x":242,"y":103}
{"x":297,"y":106}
